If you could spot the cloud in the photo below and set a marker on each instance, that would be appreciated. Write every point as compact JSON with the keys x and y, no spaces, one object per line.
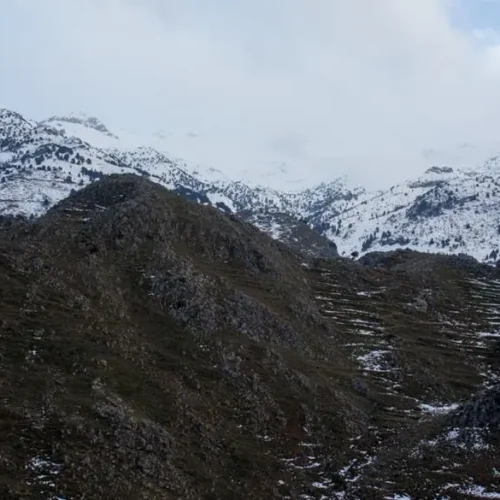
{"x":360,"y":86}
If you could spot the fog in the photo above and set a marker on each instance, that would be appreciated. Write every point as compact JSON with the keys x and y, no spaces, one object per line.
{"x":375,"y":90}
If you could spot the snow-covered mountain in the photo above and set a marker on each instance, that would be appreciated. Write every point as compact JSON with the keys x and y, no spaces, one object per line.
{"x":41,"y":163}
{"x":444,"y":210}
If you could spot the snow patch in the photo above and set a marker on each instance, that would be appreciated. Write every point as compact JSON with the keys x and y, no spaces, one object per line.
{"x":438,"y":409}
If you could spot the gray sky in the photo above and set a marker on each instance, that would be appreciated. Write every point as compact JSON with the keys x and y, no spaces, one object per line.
{"x":330,"y":87}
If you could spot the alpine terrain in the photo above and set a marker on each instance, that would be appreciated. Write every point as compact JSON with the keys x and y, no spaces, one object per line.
{"x":445,"y":210}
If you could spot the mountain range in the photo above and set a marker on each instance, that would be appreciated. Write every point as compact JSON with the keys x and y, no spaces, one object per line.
{"x":445,"y":210}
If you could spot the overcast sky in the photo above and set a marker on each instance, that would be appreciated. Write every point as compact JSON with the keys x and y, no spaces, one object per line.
{"x":330,"y":87}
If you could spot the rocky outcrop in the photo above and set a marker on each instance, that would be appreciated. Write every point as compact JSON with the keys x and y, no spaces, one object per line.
{"x":480,"y":412}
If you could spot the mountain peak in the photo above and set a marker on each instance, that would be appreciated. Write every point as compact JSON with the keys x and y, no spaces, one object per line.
{"x":439,"y":170}
{"x":8,"y":114}
{"x":91,"y":122}
{"x":13,"y":118}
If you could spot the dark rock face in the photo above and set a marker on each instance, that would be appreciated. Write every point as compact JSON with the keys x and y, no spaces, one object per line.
{"x":435,"y":202}
{"x":296,"y":234}
{"x":411,"y":261}
{"x":481,"y":412}
{"x":439,"y":170}
{"x":12,"y":221}
{"x":155,"y":348}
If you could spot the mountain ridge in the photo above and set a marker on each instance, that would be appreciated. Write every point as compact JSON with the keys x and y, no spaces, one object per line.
{"x":152,"y":348}
{"x":444,"y":210}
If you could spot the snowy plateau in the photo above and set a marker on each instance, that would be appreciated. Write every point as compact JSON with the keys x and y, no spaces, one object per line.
{"x":445,"y":210}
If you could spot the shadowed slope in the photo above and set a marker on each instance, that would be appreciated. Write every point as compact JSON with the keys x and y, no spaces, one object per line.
{"x":154,"y":348}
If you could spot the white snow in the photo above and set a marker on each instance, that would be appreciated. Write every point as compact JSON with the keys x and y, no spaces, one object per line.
{"x":374,"y":361}
{"x":489,"y":334}
{"x":437,"y":409}
{"x":322,"y":486}
{"x":475,"y":491}
{"x":475,"y":439}
{"x":220,"y":198}
{"x":44,"y":470}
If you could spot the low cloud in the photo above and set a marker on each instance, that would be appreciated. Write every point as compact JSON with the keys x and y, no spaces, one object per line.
{"x":359,"y":88}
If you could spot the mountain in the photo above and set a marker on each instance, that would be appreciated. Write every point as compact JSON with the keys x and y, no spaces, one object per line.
{"x":152,"y":348}
{"x":445,"y":210}
{"x":442,"y":211}
{"x":41,"y":163}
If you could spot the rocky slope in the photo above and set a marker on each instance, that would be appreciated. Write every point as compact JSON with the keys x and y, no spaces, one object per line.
{"x":152,"y":347}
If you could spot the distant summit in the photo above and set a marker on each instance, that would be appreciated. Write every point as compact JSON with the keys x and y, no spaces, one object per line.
{"x":87,"y":121}
{"x":439,"y":170}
